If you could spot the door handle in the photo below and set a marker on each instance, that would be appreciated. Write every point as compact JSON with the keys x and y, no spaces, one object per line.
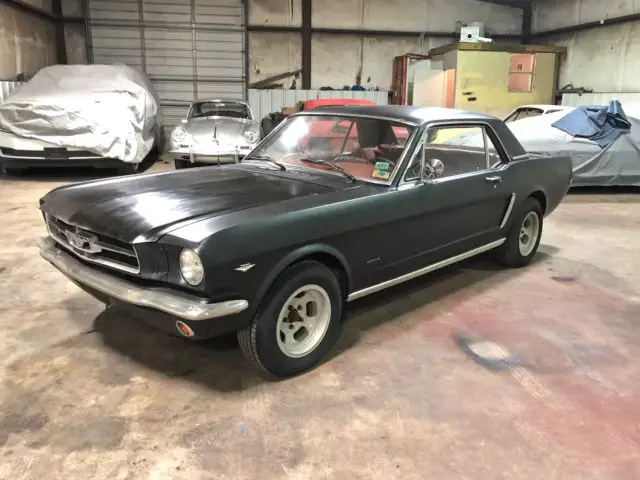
{"x":493,"y":180}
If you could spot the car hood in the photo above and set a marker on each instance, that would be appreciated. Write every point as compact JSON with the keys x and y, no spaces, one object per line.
{"x":223,"y":128}
{"x":144,"y":207}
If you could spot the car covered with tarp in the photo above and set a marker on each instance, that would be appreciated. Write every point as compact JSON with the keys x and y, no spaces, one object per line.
{"x":602,"y":140}
{"x":82,"y":115}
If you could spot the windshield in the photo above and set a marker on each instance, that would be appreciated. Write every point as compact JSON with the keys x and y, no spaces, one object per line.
{"x":219,"y":109}
{"x":521,"y":113}
{"x":366,"y":148}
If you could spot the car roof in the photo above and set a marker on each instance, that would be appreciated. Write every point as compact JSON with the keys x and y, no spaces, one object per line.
{"x":545,"y":107}
{"x":222,"y":100}
{"x":403,"y":113}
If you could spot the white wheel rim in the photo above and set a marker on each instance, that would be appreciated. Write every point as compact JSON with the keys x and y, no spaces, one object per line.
{"x":303,"y":321}
{"x":529,"y":231}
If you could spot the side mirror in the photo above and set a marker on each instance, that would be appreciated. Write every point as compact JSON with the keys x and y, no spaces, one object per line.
{"x":184,"y":120}
{"x":433,"y":168}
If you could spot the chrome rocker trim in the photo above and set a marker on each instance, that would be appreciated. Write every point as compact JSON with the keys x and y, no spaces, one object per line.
{"x":130,"y":293}
{"x":423,"y":271}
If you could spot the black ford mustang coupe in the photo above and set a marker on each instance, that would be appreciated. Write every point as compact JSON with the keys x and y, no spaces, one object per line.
{"x":333,"y":205}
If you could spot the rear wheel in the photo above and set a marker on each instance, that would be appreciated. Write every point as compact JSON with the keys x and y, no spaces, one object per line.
{"x":523,"y":238}
{"x":297,"y":322}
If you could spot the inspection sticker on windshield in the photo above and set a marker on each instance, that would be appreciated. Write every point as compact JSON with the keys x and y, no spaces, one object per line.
{"x":381,"y":166}
{"x":381,"y":174}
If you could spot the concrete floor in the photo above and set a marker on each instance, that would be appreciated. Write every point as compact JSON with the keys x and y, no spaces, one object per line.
{"x":88,"y":393}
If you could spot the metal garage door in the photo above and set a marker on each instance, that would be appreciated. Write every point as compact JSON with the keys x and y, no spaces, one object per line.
{"x":189,"y":48}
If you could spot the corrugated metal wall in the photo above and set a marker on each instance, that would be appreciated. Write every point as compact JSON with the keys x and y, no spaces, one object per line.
{"x":7,"y":88}
{"x":189,"y":48}
{"x":264,"y":102}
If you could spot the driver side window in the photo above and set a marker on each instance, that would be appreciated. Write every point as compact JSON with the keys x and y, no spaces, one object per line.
{"x":461,"y":149}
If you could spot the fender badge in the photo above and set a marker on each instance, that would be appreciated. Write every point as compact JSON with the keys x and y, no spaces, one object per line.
{"x":245,"y":267}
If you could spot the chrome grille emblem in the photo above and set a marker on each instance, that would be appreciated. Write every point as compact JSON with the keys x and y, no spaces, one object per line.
{"x":86,"y":243}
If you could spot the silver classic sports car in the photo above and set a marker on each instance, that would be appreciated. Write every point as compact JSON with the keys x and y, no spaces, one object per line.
{"x":215,"y":132}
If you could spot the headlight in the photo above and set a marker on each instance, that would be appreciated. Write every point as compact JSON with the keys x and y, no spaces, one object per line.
{"x":251,"y":136}
{"x":191,"y":267}
{"x":178,"y":134}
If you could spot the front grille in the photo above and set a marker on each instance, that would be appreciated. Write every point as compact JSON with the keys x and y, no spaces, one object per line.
{"x":94,"y":247}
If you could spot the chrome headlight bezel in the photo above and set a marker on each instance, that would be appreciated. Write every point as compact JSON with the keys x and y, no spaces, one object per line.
{"x":251,"y":136}
{"x":191,"y":267}
{"x":178,"y":134}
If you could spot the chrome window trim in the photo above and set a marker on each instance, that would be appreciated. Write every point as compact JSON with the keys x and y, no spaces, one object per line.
{"x":399,"y":163}
{"x":465,"y":123}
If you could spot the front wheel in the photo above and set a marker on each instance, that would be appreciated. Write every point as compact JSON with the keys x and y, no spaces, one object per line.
{"x":523,"y":238}
{"x":297,"y":322}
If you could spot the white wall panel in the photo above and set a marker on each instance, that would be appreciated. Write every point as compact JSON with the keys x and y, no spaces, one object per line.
{"x":26,"y":43}
{"x":605,"y":59}
{"x":336,"y":59}
{"x":552,"y":14}
{"x":415,"y":15}
{"x":263,"y":102}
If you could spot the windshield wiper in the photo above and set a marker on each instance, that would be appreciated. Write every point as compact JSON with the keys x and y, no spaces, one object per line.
{"x":319,"y":161}
{"x":264,"y":158}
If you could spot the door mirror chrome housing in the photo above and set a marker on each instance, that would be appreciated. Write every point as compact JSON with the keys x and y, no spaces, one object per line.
{"x":432,"y":169}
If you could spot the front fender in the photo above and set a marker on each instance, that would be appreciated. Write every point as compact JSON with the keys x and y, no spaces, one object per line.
{"x":307,"y":251}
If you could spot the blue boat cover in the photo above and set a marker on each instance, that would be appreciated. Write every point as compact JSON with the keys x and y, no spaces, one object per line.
{"x":598,"y":123}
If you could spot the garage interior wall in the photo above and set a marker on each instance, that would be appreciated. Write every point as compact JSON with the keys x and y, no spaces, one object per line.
{"x":26,"y":43}
{"x":337,"y":58}
{"x":605,"y":59}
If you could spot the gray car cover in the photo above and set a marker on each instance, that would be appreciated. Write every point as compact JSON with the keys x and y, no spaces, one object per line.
{"x":618,"y":164}
{"x":110,"y":110}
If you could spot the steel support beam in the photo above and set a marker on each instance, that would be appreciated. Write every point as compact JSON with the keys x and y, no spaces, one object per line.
{"x":367,"y":32}
{"x":635,"y":17}
{"x":61,"y":44}
{"x":306,"y":44}
{"x":527,"y":14}
{"x":245,"y":5}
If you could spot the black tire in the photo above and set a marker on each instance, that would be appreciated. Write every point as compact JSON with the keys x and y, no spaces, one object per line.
{"x":509,"y":252}
{"x":259,"y":340}
{"x":15,"y":172}
{"x":129,"y":169}
{"x":180,"y":164}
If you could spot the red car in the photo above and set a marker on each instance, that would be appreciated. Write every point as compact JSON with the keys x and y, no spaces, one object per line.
{"x":330,"y":132}
{"x":333,"y":102}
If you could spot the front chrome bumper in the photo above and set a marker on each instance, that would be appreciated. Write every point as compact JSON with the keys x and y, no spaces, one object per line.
{"x":178,"y":305}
